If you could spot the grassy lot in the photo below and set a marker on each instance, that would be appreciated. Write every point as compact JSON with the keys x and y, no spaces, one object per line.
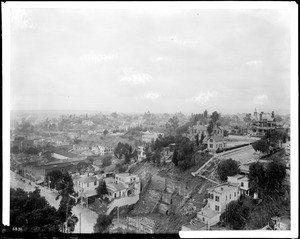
{"x":234,"y":140}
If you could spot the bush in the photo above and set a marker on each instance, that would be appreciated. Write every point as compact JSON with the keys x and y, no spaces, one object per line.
{"x":227,"y":168}
{"x":106,"y":161}
{"x":235,"y":215}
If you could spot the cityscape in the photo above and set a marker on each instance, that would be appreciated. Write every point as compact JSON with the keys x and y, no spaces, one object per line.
{"x":137,"y":121}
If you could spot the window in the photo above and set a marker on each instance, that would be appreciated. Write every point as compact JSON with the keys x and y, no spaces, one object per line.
{"x":235,"y":194}
{"x":211,"y":196}
{"x":95,"y":183}
{"x":203,"y":219}
{"x":230,"y":196}
{"x":217,"y":199}
{"x":211,"y":140}
{"x":242,"y":184}
{"x":226,"y":198}
{"x":217,"y":208}
{"x":211,"y":145}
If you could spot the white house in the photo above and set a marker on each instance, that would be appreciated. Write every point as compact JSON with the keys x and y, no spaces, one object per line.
{"x":141,"y":153}
{"x":242,"y":182}
{"x":218,"y":198}
{"x":216,"y":142}
{"x":86,"y":187}
{"x":98,"y":149}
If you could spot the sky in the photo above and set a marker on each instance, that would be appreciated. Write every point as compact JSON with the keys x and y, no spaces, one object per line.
{"x":163,"y":60}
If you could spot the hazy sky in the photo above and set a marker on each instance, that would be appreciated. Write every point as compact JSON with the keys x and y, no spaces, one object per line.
{"x":162,"y":61}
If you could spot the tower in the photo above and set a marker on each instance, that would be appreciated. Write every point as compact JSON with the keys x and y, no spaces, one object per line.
{"x":255,"y":114}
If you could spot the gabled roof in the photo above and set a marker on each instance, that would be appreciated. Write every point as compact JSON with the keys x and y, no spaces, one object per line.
{"x":62,"y":152}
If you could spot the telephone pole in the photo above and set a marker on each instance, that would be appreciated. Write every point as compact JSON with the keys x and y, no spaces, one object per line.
{"x":80,"y":222}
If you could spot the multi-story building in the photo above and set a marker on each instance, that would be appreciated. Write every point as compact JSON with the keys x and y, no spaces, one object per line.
{"x":262,"y":123}
{"x":218,"y":199}
{"x":98,"y":149}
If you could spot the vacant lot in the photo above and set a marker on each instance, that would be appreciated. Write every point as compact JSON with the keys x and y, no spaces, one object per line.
{"x":234,"y":140}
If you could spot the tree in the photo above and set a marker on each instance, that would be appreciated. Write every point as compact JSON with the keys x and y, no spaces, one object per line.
{"x":106,"y":161}
{"x":257,"y":176}
{"x":32,"y":212}
{"x":183,"y":128}
{"x":172,"y":125}
{"x":202,"y":138}
{"x":102,"y":189}
{"x":123,"y":150}
{"x":105,"y":132}
{"x":162,"y":142}
{"x":247,"y":118}
{"x":102,"y":224}
{"x":185,"y":150}
{"x":210,"y":127}
{"x":55,"y":176}
{"x":62,"y":182}
{"x":31,"y":150}
{"x":235,"y":215}
{"x":205,"y":114}
{"x":77,"y":141}
{"x":156,"y":157}
{"x":273,"y":137}
{"x":261,"y":145}
{"x":225,"y":133}
{"x":114,"y":114}
{"x":174,"y":158}
{"x":215,"y":117}
{"x":14,"y":149}
{"x":275,"y":175}
{"x":197,"y":139}
{"x":121,"y":168}
{"x":226,"y":168}
{"x":118,"y":150}
{"x":64,"y":211}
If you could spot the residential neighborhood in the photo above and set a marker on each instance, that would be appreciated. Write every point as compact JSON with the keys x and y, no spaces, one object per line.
{"x":139,"y":178}
{"x":149,"y":119}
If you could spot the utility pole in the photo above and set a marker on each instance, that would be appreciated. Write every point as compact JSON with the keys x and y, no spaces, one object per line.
{"x":80,"y":222}
{"x":118,"y":217}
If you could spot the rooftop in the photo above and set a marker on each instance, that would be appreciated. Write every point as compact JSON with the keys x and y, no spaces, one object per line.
{"x":88,"y":179}
{"x":195,"y":225}
{"x":116,"y":186}
{"x":206,"y":212}
{"x":90,"y":193}
{"x":221,"y":188}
